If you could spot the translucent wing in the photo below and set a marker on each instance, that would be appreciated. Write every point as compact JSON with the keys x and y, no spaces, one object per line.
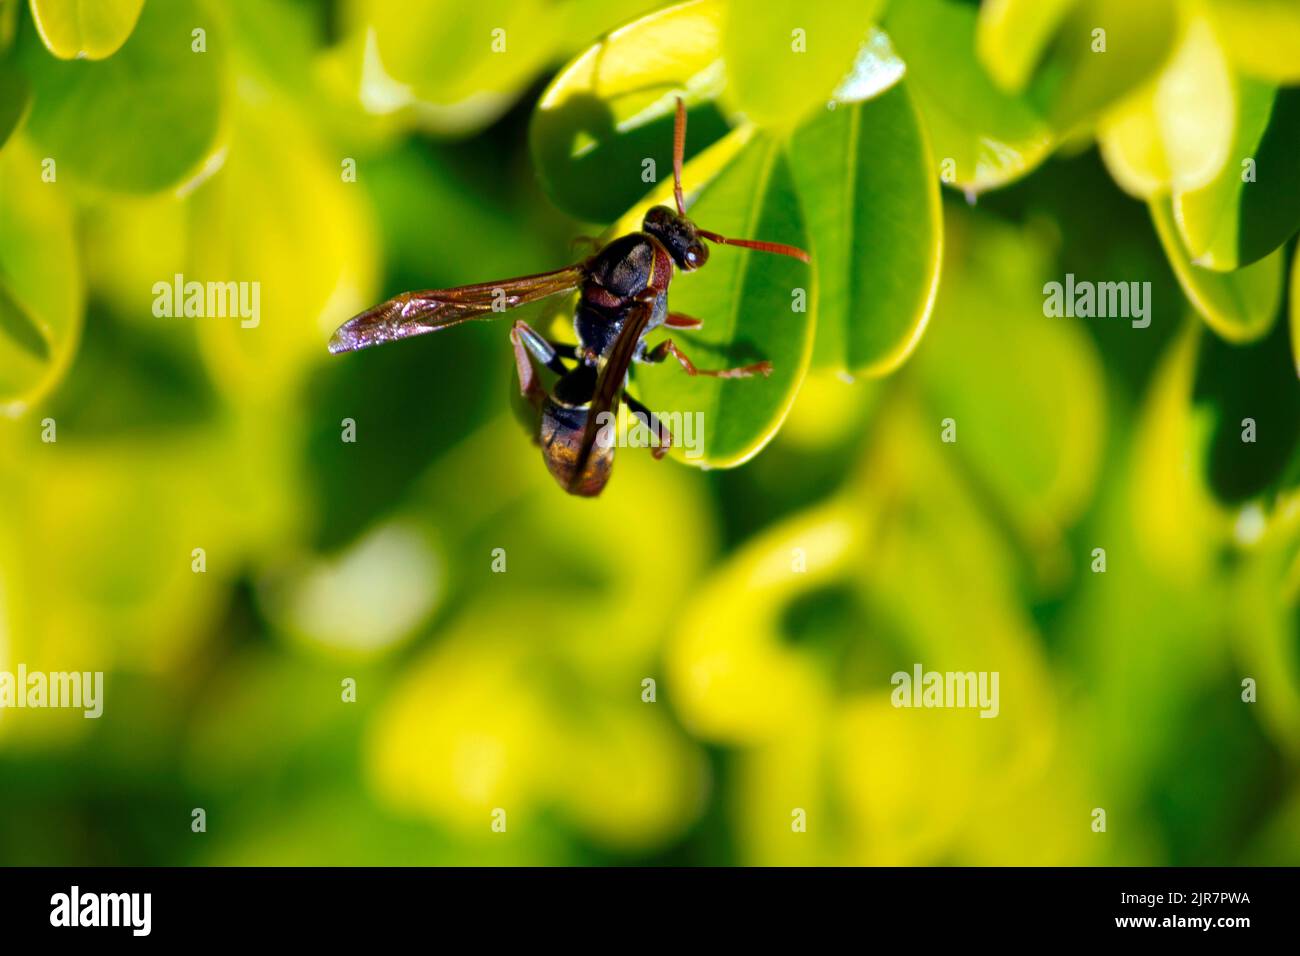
{"x":414,"y":313}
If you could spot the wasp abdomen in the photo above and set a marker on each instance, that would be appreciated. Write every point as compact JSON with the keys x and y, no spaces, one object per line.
{"x":562,"y":429}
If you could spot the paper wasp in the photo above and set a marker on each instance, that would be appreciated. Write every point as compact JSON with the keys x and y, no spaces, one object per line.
{"x":624,"y":297}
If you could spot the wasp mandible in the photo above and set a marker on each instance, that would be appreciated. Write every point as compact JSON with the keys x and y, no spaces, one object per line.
{"x":623,"y":298}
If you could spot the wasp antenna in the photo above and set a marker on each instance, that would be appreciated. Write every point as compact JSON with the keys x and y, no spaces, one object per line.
{"x":779,"y":248}
{"x":679,"y":147}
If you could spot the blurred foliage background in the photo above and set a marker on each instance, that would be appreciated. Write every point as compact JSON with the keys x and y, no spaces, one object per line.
{"x":942,"y":159}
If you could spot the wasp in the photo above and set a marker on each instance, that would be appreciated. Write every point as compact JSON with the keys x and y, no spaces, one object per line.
{"x":623,"y":297}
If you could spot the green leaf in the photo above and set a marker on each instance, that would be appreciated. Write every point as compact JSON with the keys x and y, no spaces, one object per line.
{"x":140,"y":121}
{"x":980,"y":136}
{"x":785,"y":57}
{"x":1263,"y":36}
{"x":1177,"y":131}
{"x":40,"y":283}
{"x":1266,"y":619}
{"x":15,"y":97}
{"x":85,"y":29}
{"x":746,"y":299}
{"x":868,"y":187}
{"x":1295,"y":309}
{"x":1103,"y":50}
{"x":993,"y":358}
{"x":1255,"y":382}
{"x":1252,"y":206}
{"x":611,"y":110}
{"x":1239,"y":306}
{"x":23,"y":332}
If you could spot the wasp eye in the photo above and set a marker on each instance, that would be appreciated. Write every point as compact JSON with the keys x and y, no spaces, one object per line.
{"x":694,"y":255}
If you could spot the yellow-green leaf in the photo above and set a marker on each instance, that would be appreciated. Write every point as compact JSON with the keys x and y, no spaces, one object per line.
{"x":363,"y":600}
{"x":427,"y":757}
{"x":278,"y":219}
{"x":1011,"y":36}
{"x":40,"y":282}
{"x":584,"y":20}
{"x":1263,"y":36}
{"x":85,"y":29}
{"x":728,"y":643}
{"x":1239,"y":306}
{"x":785,"y":57}
{"x":140,"y":121}
{"x":1253,"y":205}
{"x":868,"y":187}
{"x":602,"y":134}
{"x":1177,"y":131}
{"x":981,"y":137}
{"x":460,"y":64}
{"x":1103,"y":50}
{"x":1132,"y":148}
{"x":875,"y":69}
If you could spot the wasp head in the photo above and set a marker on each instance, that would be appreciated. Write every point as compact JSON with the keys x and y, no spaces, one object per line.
{"x":678,"y":235}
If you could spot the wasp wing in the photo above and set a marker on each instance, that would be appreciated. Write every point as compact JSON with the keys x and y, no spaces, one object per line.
{"x":609,"y":383}
{"x":414,"y":313}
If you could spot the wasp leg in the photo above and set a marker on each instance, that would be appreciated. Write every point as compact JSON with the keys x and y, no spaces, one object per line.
{"x":663,"y":437}
{"x":666,"y":348}
{"x":561,"y":349}
{"x":545,"y":352}
{"x":676,"y":320}
{"x":528,"y":345}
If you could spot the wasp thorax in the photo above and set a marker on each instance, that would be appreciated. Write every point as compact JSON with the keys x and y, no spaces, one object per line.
{"x":678,"y":235}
